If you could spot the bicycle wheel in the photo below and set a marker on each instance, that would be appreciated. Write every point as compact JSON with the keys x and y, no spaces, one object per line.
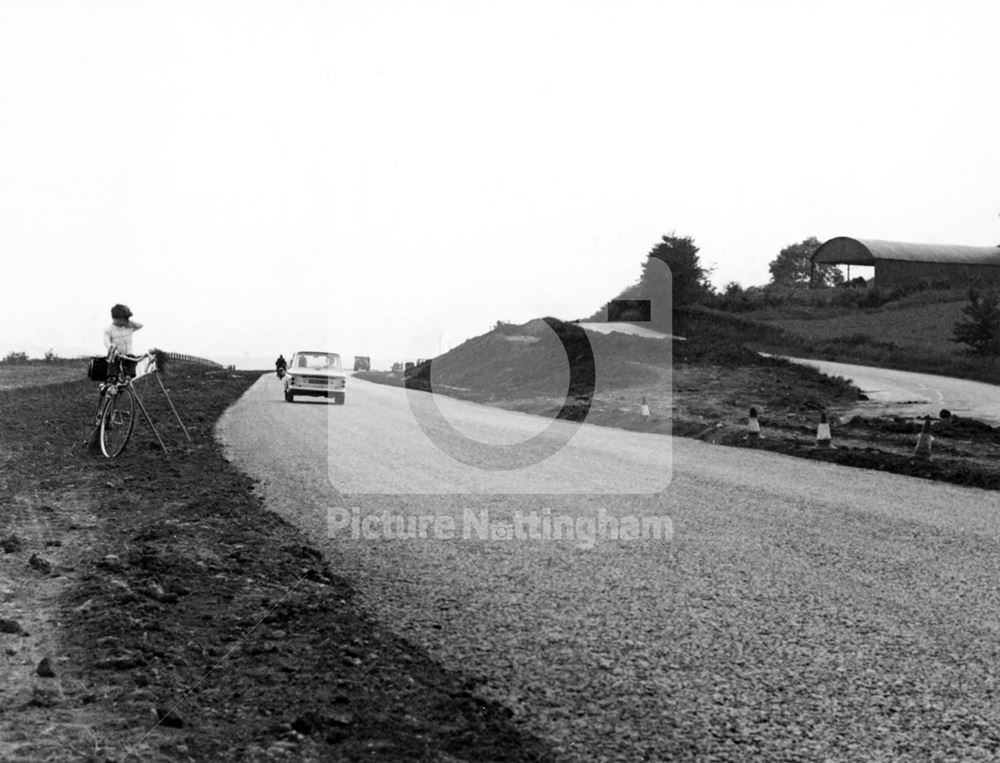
{"x":117,"y":422}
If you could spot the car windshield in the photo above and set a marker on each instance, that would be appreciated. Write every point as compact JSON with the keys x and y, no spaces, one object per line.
{"x":318,"y":361}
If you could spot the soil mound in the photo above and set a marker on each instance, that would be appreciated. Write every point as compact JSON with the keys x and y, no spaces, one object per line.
{"x":182,"y":621}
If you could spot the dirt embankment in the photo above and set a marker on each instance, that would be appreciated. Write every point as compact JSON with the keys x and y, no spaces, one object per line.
{"x":150,"y":609}
{"x":703,"y":387}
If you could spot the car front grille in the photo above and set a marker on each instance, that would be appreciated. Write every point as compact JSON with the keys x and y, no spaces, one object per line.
{"x":314,"y":381}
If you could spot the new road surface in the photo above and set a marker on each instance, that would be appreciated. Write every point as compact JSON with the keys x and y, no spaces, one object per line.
{"x":905,"y":393}
{"x":773,"y":608}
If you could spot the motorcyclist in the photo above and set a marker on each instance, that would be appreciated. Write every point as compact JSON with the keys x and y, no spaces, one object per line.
{"x":280,"y":365}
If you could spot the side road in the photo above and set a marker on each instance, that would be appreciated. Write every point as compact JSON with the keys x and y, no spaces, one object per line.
{"x":151,"y":609}
{"x":905,"y":393}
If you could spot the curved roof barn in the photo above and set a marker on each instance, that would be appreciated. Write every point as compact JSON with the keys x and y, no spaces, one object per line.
{"x":856,"y":251}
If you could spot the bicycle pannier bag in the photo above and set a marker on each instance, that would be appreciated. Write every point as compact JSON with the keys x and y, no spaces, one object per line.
{"x":97,"y":369}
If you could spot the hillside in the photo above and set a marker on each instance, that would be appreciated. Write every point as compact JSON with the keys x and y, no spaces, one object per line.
{"x":911,"y":333}
{"x":529,"y":360}
{"x":691,"y":384}
{"x":923,"y":327}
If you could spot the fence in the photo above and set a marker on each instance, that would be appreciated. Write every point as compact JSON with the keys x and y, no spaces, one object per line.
{"x":194,"y":359}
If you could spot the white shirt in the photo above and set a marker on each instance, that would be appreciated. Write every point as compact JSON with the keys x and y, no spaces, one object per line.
{"x":121,"y":336}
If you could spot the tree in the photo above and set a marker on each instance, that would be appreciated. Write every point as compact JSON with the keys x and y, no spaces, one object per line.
{"x":980,"y":329}
{"x":690,"y":279}
{"x":793,"y":266}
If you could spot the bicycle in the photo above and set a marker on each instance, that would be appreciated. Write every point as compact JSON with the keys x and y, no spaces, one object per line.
{"x":118,"y":401}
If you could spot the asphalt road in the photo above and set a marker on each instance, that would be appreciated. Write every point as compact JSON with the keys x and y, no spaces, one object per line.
{"x":912,"y":394}
{"x":800,"y":611}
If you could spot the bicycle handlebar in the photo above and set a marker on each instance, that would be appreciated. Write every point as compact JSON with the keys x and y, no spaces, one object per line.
{"x":150,"y":357}
{"x":113,"y":354}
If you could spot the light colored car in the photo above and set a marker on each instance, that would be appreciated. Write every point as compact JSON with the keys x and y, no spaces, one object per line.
{"x":315,"y":374}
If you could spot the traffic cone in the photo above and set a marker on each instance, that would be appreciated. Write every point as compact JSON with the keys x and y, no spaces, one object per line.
{"x":924,"y":440}
{"x":824,"y":441}
{"x":753,"y":426}
{"x":644,"y":409}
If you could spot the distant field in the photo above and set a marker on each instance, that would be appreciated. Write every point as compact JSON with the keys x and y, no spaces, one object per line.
{"x":36,"y":374}
{"x":924,"y":327}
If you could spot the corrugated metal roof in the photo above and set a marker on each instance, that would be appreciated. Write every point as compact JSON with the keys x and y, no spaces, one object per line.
{"x":856,"y":251}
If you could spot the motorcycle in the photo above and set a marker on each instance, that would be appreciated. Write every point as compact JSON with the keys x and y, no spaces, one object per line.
{"x":280,"y":371}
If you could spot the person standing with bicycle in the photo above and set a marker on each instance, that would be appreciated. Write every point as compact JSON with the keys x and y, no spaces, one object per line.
{"x":119,"y":335}
{"x":117,"y":342}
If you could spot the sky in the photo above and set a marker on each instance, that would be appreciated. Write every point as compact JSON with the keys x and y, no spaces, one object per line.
{"x":388,"y":178}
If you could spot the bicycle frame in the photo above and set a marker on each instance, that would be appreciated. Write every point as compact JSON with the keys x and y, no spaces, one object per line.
{"x":120,"y":383}
{"x":116,"y":418}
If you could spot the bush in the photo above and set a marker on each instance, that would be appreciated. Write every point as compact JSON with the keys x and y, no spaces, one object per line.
{"x":505,"y":327}
{"x":788,"y":298}
{"x":16,"y":358}
{"x":734,"y":299}
{"x":980,"y":329}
